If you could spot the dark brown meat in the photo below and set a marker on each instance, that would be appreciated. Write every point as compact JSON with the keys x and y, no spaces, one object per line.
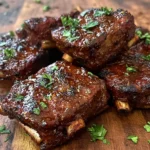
{"x":56,"y":101}
{"x":93,"y":39}
{"x":129,"y":78}
{"x":36,"y":30}
{"x":27,"y":53}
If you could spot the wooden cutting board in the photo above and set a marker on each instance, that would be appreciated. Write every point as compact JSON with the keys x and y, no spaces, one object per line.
{"x":119,"y":126}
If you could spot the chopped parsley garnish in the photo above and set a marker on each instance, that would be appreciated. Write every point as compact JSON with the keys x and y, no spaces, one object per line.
{"x":142,"y":36}
{"x":98,"y":132}
{"x":90,"y":73}
{"x":48,"y":97}
{"x":46,"y":8}
{"x":147,"y":57}
{"x":103,"y":11}
{"x":12,"y":34}
{"x":130,"y":69}
{"x":47,"y":82}
{"x":7,"y":139}
{"x":133,"y":138}
{"x":37,"y":1}
{"x":9,"y":53}
{"x":70,"y":35}
{"x":36,"y":111}
{"x":3,"y":130}
{"x":47,"y":76}
{"x":69,"y":22}
{"x":148,"y":141}
{"x":72,"y":23}
{"x":90,"y":25}
{"x":55,"y":68}
{"x":147,"y":127}
{"x":19,"y":97}
{"x":43,"y":105}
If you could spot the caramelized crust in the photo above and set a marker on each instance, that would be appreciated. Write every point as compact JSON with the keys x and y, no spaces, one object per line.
{"x":70,"y":95}
{"x":130,"y":87}
{"x":102,"y":43}
{"x":30,"y":50}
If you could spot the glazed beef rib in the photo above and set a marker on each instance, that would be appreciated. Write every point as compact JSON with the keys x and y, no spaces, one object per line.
{"x":95,"y":36}
{"x":129,"y":78}
{"x":30,"y":51}
{"x":56,"y":102}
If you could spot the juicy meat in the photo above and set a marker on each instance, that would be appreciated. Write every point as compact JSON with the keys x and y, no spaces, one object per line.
{"x":56,"y":101}
{"x":17,"y":58}
{"x":25,"y":54}
{"x":36,"y":30}
{"x":93,"y":38}
{"x":129,"y":78}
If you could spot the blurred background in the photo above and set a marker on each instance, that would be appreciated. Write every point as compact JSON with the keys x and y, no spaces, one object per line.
{"x":14,"y":12}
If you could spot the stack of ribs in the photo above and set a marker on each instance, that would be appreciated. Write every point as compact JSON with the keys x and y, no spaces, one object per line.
{"x":28,"y":51}
{"x":56,"y":102}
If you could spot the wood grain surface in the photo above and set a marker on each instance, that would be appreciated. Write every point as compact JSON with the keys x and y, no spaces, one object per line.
{"x":119,"y":126}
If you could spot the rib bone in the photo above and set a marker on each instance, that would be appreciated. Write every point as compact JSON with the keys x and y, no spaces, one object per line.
{"x":122,"y":105}
{"x":75,"y":126}
{"x":67,"y":58}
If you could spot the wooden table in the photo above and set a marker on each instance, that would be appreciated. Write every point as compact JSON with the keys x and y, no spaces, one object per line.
{"x":119,"y":126}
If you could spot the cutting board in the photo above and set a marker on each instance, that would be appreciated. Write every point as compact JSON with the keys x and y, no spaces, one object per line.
{"x":119,"y":125}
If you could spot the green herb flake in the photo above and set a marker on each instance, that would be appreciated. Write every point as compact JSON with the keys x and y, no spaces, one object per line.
{"x":12,"y":34}
{"x":98,"y":132}
{"x":48,"y":97}
{"x":69,"y":34}
{"x":36,"y":111}
{"x":147,"y":57}
{"x":47,"y":82}
{"x":147,"y":127}
{"x":90,"y":25}
{"x":46,"y":8}
{"x":130,"y":69}
{"x":103,"y":11}
{"x":148,"y":141}
{"x":37,"y":1}
{"x":23,"y":25}
{"x":133,"y":138}
{"x":19,"y":97}
{"x":7,"y":139}
{"x":142,"y":36}
{"x":3,"y":130}
{"x":69,"y":22}
{"x":55,"y":68}
{"x":43,"y":105}
{"x":72,"y":23}
{"x":9,"y":53}
{"x":47,"y":76}
{"x":90,"y":73}
{"x":3,"y":127}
